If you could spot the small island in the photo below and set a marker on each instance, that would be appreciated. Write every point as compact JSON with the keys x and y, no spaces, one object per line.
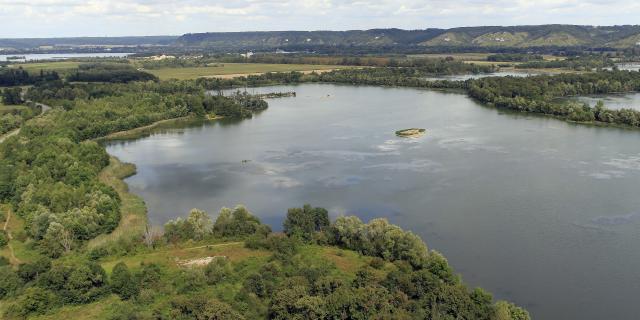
{"x":411,"y":132}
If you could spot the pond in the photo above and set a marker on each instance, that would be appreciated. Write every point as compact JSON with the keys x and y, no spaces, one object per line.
{"x":538,"y":211}
{"x":60,"y":56}
{"x":613,"y":101}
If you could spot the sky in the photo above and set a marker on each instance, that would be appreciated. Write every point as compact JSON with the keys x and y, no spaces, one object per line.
{"x":70,"y":18}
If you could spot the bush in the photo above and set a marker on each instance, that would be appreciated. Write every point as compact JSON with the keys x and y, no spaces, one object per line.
{"x":4,"y":239}
{"x":217,"y":271}
{"x":122,"y":282}
{"x":200,"y":307}
{"x":32,"y":302}
{"x":10,"y":282}
{"x":190,"y":280}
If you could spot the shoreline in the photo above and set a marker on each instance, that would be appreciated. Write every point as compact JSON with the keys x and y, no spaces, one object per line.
{"x":132,"y":133}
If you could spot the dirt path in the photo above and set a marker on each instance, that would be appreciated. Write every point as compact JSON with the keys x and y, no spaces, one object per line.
{"x":14,"y":259}
{"x":214,"y":245}
{"x":9,"y":134}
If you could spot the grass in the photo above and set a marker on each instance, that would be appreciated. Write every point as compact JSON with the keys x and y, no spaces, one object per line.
{"x":58,"y":66}
{"x":234,"y":69}
{"x":234,"y":251}
{"x":22,"y":252}
{"x":95,"y":310}
{"x":133,"y":210}
{"x":8,"y":108}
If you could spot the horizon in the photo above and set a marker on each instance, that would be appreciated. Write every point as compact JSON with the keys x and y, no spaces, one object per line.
{"x":326,"y":30}
{"x":117,"y":18}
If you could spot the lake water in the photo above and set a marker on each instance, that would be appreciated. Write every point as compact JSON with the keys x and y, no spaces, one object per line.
{"x":61,"y":56}
{"x":614,"y":101}
{"x":538,"y":211}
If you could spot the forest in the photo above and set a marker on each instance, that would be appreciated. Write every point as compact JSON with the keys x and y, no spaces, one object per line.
{"x":538,"y":95}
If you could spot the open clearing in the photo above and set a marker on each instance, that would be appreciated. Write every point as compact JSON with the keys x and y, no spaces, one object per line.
{"x":234,"y":69}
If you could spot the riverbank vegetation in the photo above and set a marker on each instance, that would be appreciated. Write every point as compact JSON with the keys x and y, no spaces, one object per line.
{"x":236,"y":268}
{"x":577,"y":63}
{"x":538,"y":94}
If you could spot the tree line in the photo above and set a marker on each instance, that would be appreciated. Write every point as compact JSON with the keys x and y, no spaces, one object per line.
{"x":538,"y":94}
{"x":10,"y":77}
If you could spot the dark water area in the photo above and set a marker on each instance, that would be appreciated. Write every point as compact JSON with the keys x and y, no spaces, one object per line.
{"x":537,"y":211}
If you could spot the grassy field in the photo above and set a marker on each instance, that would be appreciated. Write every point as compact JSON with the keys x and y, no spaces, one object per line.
{"x":234,"y":69}
{"x":59,"y":66}
{"x":133,"y":210}
{"x":9,"y":108}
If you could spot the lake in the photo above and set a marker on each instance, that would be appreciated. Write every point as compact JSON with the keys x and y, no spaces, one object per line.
{"x":61,"y":56}
{"x":537,"y":211}
{"x":613,"y":101}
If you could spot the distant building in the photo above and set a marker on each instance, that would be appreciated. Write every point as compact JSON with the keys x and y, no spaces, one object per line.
{"x":161,"y":57}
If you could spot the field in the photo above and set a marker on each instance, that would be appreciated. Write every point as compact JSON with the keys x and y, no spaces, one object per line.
{"x":58,"y":66}
{"x":234,"y":69}
{"x":9,"y":108}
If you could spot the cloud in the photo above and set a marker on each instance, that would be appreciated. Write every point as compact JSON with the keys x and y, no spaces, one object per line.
{"x":45,"y":18}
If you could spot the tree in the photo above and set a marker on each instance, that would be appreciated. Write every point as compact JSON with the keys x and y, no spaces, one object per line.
{"x":12,"y":96}
{"x":122,"y":282}
{"x":304,"y":222}
{"x":10,"y":282}
{"x":57,"y":240}
{"x":200,"y":222}
{"x":152,"y":234}
{"x":236,"y":223}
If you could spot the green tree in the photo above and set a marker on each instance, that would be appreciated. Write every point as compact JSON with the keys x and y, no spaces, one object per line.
{"x":304,"y":222}
{"x":123,"y":282}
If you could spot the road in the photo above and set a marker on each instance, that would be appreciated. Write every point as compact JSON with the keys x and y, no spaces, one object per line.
{"x":44,"y":107}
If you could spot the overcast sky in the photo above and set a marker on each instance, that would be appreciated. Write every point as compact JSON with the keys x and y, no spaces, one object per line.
{"x":62,"y":18}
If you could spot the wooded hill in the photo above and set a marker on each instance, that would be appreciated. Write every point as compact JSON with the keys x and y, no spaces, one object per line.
{"x":479,"y":37}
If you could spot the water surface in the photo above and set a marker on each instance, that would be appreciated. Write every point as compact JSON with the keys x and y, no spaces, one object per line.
{"x":61,"y":56}
{"x":613,"y":101}
{"x":537,"y":211}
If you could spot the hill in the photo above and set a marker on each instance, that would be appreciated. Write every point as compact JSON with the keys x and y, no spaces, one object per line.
{"x":468,"y":37}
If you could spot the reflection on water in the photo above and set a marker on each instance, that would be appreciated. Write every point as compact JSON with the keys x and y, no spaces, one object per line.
{"x":536,"y":210}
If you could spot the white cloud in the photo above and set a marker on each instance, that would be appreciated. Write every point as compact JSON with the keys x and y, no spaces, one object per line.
{"x":45,"y":18}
